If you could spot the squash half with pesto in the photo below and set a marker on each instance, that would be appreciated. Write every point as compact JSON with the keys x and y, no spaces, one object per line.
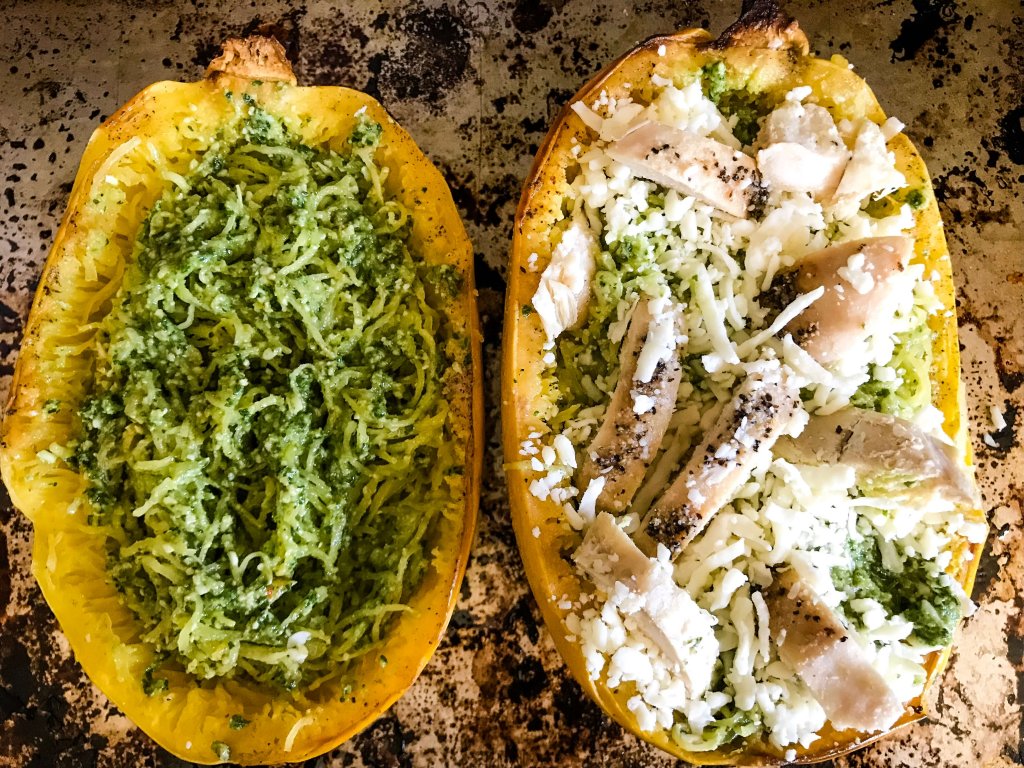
{"x":733,"y":420}
{"x":245,"y":420}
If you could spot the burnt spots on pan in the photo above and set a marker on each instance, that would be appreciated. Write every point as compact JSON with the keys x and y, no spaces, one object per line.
{"x":967,"y":199}
{"x":989,"y":566}
{"x":1011,"y":134}
{"x":531,"y":16}
{"x":491,"y":303}
{"x":557,"y":99}
{"x":427,"y":59}
{"x":683,"y":15}
{"x":995,"y":333}
{"x":927,"y":24}
{"x":521,"y":619}
{"x":334,"y":53}
{"x":20,"y":689}
{"x":486,"y":203}
{"x":285,"y":29}
{"x":7,"y":510}
{"x":5,"y":572}
{"x":10,"y":321}
{"x":529,"y":680}
{"x":207,"y":50}
{"x":385,"y":743}
{"x":1015,"y":653}
{"x":1006,"y":438}
{"x":576,"y":714}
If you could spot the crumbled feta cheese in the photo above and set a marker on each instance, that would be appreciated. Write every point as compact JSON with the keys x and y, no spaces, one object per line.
{"x":564,"y":450}
{"x":642,"y":403}
{"x":871,"y":171}
{"x":858,"y":274}
{"x":564,"y":289}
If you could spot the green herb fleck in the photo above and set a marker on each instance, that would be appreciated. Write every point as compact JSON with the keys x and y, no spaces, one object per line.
{"x":51,"y":406}
{"x":915,"y":198}
{"x":237,"y":722}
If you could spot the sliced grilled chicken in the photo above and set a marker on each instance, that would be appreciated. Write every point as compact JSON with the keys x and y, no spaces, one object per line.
{"x":638,"y":414}
{"x":792,"y":167}
{"x":803,"y":151}
{"x":863,"y":281}
{"x":564,"y":290}
{"x":608,"y":555}
{"x":882,"y":447}
{"x":682,"y":629}
{"x":694,"y":165}
{"x":823,"y":651}
{"x":760,"y":412}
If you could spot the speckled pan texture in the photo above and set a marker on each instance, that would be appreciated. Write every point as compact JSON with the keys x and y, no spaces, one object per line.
{"x":477,"y":84}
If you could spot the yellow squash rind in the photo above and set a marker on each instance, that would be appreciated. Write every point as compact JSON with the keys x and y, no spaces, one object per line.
{"x":165,"y":126}
{"x":764,"y":50}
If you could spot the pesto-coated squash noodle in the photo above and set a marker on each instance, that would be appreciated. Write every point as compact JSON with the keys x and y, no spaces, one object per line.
{"x":266,"y":439}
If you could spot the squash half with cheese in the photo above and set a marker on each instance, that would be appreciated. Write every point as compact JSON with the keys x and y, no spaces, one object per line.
{"x":733,"y":420}
{"x":246,"y":417}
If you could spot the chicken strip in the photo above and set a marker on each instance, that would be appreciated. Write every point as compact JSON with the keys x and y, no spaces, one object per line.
{"x":863,"y":281}
{"x":694,"y":165}
{"x":802,"y":150}
{"x":761,"y":411}
{"x":883,"y":448}
{"x":823,"y":651}
{"x":638,"y":414}
{"x":681,"y":629}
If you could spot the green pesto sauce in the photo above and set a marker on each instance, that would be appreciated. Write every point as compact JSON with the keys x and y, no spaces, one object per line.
{"x":748,"y":107}
{"x":920,"y":593}
{"x":267,"y":440}
{"x":730,"y":724}
{"x":713,"y":80}
{"x":912,"y":358}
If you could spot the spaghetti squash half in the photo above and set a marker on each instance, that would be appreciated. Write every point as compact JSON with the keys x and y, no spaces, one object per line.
{"x":245,"y":420}
{"x":733,"y":420}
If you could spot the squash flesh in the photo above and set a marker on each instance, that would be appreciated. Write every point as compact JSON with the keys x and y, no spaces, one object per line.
{"x":162,"y":129}
{"x":773,"y":63}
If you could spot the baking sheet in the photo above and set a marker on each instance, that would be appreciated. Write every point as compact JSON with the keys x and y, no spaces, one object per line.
{"x":477,"y":83}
